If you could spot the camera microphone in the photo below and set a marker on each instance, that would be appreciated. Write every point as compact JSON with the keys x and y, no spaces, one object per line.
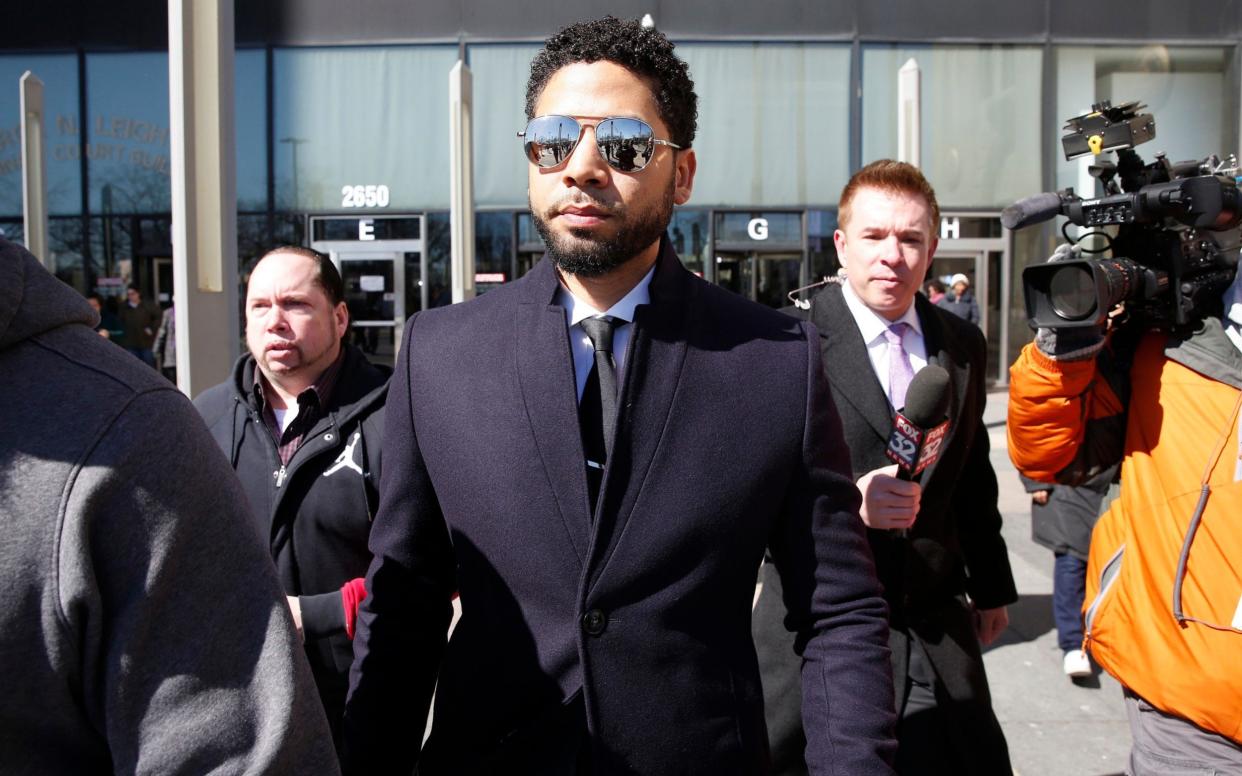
{"x":1032,"y":210}
{"x":920,"y":427}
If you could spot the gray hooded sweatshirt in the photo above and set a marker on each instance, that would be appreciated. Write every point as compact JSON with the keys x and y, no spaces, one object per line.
{"x":142,"y":628}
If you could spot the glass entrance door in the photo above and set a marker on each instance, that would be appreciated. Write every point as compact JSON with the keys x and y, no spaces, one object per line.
{"x":766,"y":278}
{"x":373,"y":293}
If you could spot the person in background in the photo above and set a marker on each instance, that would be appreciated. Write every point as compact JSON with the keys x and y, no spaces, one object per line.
{"x":142,"y":627}
{"x":301,"y":421}
{"x":962,"y":301}
{"x":139,"y":321}
{"x":107,"y":320}
{"x":166,"y":344}
{"x":935,"y":291}
{"x":1062,"y":517}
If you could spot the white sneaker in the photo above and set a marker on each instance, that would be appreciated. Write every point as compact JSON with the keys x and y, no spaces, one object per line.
{"x":1076,"y":664}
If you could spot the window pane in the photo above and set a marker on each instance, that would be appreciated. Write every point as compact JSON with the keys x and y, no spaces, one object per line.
{"x":689,"y":234}
{"x":500,"y":75}
{"x":128,"y":152}
{"x":1185,"y":89}
{"x":59,"y":74}
{"x":250,"y":118}
{"x":981,"y":141}
{"x":773,"y":123}
{"x":362,"y":117}
{"x":493,"y":243}
{"x":820,"y":225}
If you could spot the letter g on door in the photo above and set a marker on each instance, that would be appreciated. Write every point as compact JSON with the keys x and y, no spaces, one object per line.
{"x":757,"y":228}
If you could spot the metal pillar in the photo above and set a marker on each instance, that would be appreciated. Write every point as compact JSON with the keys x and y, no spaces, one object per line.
{"x":461,"y":188}
{"x":34,"y":170}
{"x":909,"y":113}
{"x":204,"y":190}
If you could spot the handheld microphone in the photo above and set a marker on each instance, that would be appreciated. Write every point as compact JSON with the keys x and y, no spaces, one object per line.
{"x":1032,"y":210}
{"x":921,"y":426}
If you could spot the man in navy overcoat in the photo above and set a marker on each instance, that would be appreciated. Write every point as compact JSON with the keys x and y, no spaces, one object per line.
{"x":610,"y":633}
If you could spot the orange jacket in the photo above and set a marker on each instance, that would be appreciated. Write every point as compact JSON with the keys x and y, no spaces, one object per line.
{"x":1180,"y":431}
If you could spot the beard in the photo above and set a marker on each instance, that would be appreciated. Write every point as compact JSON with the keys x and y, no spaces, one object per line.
{"x":585,"y":254}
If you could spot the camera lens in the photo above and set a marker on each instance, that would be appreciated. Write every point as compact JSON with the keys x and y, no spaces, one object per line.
{"x":1071,"y":290}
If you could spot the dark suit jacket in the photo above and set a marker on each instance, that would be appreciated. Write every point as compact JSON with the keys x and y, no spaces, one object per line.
{"x":955,"y":545}
{"x":727,"y":440}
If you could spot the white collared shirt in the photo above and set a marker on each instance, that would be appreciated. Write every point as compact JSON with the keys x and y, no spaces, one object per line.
{"x":872,"y":327}
{"x":580,"y":344}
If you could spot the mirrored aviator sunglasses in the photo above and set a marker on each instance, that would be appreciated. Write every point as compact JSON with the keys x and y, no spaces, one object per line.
{"x":626,"y":144}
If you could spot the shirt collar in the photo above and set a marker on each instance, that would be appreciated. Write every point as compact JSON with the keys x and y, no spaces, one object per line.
{"x":578,"y":309}
{"x":318,"y":391}
{"x":870,"y":323}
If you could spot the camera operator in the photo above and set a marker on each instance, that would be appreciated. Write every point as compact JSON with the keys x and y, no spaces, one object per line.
{"x":1162,"y":611}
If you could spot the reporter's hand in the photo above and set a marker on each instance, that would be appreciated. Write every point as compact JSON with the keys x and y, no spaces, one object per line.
{"x":888,"y":503}
{"x":295,"y":607}
{"x":990,"y":623}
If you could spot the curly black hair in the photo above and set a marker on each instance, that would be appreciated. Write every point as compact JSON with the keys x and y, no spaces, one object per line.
{"x":643,"y":51}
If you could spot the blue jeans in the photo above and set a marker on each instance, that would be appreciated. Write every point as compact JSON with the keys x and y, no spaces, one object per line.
{"x":145,"y":354}
{"x":1069,"y":585}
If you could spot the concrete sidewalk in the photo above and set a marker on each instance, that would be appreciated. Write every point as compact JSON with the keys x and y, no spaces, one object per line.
{"x":1054,"y":727}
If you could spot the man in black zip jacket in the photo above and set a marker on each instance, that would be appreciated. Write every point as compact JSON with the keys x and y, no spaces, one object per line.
{"x":301,"y":422}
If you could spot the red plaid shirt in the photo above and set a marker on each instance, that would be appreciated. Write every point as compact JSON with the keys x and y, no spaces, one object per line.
{"x":310,"y":408}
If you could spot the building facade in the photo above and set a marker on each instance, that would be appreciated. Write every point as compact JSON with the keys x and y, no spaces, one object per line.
{"x":342,"y":119}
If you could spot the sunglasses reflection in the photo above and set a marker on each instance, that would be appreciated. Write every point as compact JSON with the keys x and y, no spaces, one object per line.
{"x":626,"y":145}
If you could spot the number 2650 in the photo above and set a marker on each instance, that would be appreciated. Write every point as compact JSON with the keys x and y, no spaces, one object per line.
{"x":364,"y":196}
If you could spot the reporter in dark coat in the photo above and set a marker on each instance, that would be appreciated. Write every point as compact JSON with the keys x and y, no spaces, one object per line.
{"x":948,"y":581}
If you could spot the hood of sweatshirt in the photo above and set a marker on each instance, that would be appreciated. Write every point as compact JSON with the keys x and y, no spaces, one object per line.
{"x":32,"y":301}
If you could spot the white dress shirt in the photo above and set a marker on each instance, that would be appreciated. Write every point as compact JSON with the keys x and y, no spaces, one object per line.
{"x":872,"y":327}
{"x":580,"y":344}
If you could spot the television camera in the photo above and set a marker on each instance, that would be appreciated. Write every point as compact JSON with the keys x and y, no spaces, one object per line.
{"x":1172,"y":232}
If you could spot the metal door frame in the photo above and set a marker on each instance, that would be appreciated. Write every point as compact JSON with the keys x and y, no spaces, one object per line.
{"x":393,"y":250}
{"x":978,"y":248}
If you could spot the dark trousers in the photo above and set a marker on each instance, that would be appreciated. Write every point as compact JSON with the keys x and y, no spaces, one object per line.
{"x":780,"y":672}
{"x":1069,"y":585}
{"x":925,"y":739}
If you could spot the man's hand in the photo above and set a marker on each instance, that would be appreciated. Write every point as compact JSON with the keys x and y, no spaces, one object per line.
{"x":1040,"y":496}
{"x":888,"y":503}
{"x":296,"y":608}
{"x":990,"y":623}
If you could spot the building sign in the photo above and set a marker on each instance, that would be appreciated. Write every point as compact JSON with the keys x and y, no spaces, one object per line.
{"x":954,"y":227}
{"x":366,"y":229}
{"x":950,"y":228}
{"x":369,"y":195}
{"x":762,"y":231}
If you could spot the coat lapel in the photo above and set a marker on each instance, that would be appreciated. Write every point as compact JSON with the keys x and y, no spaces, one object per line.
{"x":941,"y":351}
{"x":546,"y":374}
{"x":846,"y":361}
{"x":653,"y":368}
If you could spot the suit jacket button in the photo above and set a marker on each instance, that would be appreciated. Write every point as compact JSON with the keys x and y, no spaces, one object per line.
{"x":594,"y":622}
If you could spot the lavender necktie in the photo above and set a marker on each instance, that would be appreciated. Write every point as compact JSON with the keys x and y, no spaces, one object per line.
{"x":900,"y":372}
